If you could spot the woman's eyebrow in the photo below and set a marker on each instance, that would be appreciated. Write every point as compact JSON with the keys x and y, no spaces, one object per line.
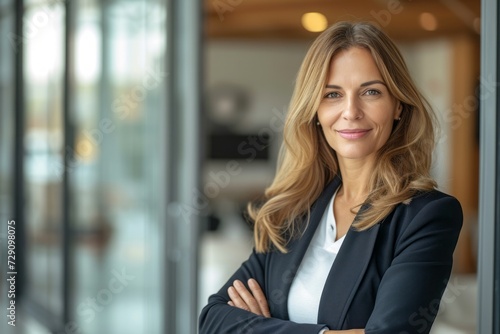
{"x":364,"y":84}
{"x":368,"y":83}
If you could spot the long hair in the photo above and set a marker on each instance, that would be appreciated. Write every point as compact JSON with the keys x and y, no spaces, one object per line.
{"x":307,"y":163}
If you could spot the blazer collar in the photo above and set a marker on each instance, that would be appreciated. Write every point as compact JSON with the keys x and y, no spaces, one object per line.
{"x":289,"y":263}
{"x":346,"y":275}
{"x":347,"y":271}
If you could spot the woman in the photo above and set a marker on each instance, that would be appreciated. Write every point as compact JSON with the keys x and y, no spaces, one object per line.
{"x":352,"y":236}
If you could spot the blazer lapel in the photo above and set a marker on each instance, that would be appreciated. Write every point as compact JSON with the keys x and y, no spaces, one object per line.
{"x":345,"y":275}
{"x":286,"y":265}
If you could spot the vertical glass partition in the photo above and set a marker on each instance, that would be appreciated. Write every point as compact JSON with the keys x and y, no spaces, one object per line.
{"x":95,"y":112}
{"x":7,"y":133}
{"x":43,"y":43}
{"x":120,"y":84}
{"x":489,"y":239}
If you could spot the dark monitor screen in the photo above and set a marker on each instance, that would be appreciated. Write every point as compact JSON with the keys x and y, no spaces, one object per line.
{"x":229,"y":146}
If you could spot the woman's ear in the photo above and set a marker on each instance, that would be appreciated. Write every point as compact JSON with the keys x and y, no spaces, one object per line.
{"x":399,"y":110}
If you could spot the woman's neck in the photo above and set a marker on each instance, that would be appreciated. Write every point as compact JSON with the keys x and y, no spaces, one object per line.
{"x":356,"y":176}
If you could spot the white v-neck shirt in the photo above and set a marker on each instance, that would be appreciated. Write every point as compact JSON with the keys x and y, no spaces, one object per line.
{"x":307,"y":286}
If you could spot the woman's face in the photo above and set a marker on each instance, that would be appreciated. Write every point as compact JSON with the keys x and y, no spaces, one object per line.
{"x":357,"y":111}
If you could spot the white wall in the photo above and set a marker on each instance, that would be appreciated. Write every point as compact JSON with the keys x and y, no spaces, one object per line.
{"x":267,"y":71}
{"x":430,"y":65}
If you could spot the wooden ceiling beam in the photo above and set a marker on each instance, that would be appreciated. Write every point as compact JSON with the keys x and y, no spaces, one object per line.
{"x":282,"y":18}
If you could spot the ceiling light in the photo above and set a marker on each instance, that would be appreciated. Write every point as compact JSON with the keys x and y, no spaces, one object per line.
{"x":428,"y":21}
{"x":314,"y":22}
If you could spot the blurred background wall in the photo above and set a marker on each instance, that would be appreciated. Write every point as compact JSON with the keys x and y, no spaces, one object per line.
{"x":96,"y":140}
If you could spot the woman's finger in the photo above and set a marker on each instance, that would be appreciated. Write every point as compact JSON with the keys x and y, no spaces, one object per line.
{"x":259,"y":295}
{"x":236,"y":300}
{"x":247,"y":297}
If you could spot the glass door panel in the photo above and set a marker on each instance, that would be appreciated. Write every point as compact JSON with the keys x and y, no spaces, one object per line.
{"x":119,"y":100}
{"x":43,"y":151}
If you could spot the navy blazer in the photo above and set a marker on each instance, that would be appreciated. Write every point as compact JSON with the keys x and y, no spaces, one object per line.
{"x":387,"y":279}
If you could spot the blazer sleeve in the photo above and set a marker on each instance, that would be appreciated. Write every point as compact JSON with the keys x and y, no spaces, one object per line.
{"x":410,"y":291}
{"x":218,"y":317}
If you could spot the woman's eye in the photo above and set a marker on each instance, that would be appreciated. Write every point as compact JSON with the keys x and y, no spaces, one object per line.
{"x":372,"y":92}
{"x":332,"y":95}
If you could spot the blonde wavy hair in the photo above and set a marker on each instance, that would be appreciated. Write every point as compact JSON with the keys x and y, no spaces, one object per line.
{"x":307,"y":163}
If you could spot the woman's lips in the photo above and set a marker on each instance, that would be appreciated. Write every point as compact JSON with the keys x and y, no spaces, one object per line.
{"x":353,"y":134}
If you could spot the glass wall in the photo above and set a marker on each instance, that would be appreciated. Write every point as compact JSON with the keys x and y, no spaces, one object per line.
{"x":6,"y":111}
{"x":6,"y":114}
{"x":6,"y":140}
{"x":120,"y":81}
{"x":99,"y":161}
{"x":43,"y":43}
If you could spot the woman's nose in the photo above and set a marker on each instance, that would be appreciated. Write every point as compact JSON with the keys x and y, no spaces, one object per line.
{"x":352,"y":109}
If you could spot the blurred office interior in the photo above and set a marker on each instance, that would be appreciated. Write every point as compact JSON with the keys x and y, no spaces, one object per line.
{"x":134,"y":132}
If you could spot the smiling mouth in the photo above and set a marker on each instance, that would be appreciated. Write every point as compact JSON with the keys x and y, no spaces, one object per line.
{"x":353,"y":134}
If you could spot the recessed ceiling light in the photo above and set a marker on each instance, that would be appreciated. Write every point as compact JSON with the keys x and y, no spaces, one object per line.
{"x":428,"y":21}
{"x":314,"y":22}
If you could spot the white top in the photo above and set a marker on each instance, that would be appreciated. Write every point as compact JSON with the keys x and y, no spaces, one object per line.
{"x":307,"y":286}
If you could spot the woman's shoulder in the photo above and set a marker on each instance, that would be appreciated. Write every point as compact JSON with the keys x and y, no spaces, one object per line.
{"x":432,"y":205}
{"x":424,"y":198}
{"x":426,"y":213}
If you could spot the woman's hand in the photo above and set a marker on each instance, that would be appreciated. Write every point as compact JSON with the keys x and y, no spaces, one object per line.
{"x":253,"y":301}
